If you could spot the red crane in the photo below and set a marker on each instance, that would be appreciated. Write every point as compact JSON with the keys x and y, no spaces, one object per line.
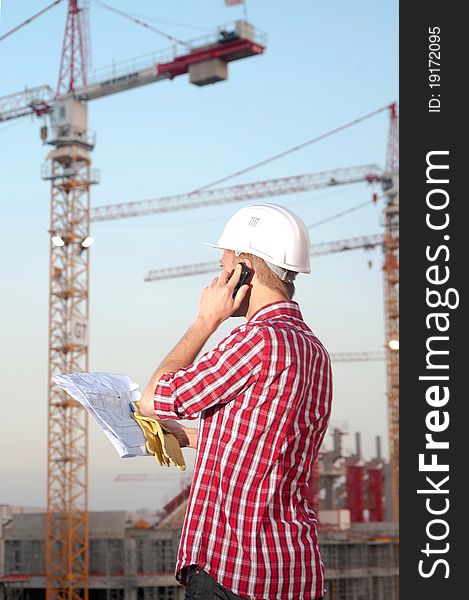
{"x":390,"y":185}
{"x":73,"y":63}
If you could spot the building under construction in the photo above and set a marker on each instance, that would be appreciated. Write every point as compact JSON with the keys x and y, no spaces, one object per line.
{"x":132,"y":555}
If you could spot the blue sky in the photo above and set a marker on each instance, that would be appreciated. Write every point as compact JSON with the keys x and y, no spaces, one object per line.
{"x":325,"y":64}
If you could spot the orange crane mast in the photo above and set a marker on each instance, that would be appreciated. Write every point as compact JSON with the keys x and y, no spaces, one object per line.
{"x":69,"y":171}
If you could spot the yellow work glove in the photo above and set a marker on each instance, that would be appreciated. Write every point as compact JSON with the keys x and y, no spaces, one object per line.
{"x":159,"y":441}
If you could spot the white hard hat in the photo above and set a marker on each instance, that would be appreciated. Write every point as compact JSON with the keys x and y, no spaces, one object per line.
{"x":271,"y":232}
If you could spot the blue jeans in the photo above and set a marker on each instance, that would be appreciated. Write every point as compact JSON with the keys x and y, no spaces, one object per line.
{"x":201,"y":586}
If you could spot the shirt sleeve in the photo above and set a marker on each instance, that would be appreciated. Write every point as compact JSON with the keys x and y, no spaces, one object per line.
{"x":217,"y":377}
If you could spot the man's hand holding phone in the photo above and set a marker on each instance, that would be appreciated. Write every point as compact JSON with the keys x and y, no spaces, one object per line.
{"x":223,"y":297}
{"x":243,"y":278}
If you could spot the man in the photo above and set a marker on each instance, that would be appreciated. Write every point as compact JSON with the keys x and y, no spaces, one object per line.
{"x":264,"y":399}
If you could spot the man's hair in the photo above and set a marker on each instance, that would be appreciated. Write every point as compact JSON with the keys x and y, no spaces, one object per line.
{"x":268,"y":278}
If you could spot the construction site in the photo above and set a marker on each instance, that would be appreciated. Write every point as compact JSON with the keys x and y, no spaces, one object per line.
{"x":132,"y":555}
{"x":61,"y":548}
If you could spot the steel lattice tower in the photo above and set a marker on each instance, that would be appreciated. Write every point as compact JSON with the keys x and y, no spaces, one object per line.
{"x":73,"y":61}
{"x":67,"y":505}
{"x":69,"y":172}
{"x":391,"y":295}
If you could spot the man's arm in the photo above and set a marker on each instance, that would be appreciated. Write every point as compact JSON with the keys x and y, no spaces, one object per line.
{"x":182,"y":355}
{"x":215,"y":306}
{"x":186,"y":436}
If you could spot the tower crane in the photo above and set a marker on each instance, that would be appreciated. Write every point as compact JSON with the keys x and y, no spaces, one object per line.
{"x":390,"y":184}
{"x":367,"y":242}
{"x":239,"y":193}
{"x":69,"y":172}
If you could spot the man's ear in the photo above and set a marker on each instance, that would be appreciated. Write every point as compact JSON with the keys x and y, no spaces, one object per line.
{"x":247,"y":261}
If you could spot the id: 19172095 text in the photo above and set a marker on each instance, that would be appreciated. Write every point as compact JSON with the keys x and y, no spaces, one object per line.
{"x":434,"y":67}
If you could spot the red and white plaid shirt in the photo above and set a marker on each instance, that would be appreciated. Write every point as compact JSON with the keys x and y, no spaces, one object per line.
{"x":264,"y":398}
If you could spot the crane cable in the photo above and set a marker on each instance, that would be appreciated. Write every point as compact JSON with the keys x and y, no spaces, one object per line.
{"x":293,"y":149}
{"x":41,"y":12}
{"x":141,"y":23}
{"x":175,"y":23}
{"x":343,"y":212}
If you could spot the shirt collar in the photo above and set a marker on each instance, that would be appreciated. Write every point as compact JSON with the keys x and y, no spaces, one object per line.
{"x":276,"y":309}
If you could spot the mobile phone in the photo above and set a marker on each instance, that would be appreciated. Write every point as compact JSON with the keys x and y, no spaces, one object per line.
{"x":245,"y":274}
